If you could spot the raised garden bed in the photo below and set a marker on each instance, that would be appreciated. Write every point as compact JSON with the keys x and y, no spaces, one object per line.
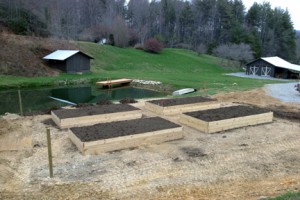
{"x":67,"y":118}
{"x":216,"y":120}
{"x":119,"y":135}
{"x":180,"y":105}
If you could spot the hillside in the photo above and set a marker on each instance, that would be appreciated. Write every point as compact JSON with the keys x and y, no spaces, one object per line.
{"x":178,"y":68}
{"x":22,"y":55}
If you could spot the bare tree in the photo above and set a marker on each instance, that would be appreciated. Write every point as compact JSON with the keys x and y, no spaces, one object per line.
{"x":138,"y":14}
{"x":238,"y":52}
{"x":120,"y":32}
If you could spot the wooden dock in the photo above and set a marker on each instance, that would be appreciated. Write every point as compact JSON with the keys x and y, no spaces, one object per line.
{"x":110,"y":83}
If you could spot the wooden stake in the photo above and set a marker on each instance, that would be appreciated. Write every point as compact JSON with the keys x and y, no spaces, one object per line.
{"x":20,"y":102}
{"x":49,"y":153}
{"x":204,"y":88}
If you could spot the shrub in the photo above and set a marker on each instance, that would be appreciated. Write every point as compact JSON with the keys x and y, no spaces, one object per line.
{"x":159,"y":38}
{"x":153,"y":45}
{"x":139,"y":46}
{"x":201,"y":49}
{"x":18,"y":26}
{"x":111,"y":39}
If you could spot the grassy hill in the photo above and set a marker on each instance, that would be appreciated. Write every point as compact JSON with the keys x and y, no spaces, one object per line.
{"x":174,"y":67}
{"x":177,"y":67}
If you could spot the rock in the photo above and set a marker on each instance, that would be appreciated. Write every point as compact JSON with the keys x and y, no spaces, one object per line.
{"x":262,"y":198}
{"x":144,"y":82}
{"x":11,"y":116}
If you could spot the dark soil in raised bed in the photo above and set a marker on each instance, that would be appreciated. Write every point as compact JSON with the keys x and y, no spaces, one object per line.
{"x":104,"y":102}
{"x":226,"y":113}
{"x":127,"y":101}
{"x":284,"y":113}
{"x":181,"y":101}
{"x":121,"y":128}
{"x":93,"y":110}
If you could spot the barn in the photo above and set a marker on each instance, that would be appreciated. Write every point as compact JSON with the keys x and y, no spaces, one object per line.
{"x":273,"y":67}
{"x":70,"y":61}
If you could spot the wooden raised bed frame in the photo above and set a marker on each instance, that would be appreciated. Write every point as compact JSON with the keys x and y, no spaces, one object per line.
{"x":226,"y":124}
{"x":94,"y":119}
{"x":172,"y":110}
{"x":124,"y":142}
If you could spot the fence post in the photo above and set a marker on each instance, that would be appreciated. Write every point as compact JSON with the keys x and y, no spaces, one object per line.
{"x":20,"y":102}
{"x":49,"y":153}
{"x":204,"y":88}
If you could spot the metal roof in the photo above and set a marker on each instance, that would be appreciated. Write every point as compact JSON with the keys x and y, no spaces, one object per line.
{"x":279,"y":62}
{"x":62,"y":54}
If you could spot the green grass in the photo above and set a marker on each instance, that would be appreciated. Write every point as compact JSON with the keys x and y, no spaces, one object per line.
{"x":288,"y":196}
{"x":176,"y":67}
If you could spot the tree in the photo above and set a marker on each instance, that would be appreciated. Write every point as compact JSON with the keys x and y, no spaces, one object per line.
{"x":186,"y":24}
{"x":168,"y":18}
{"x":138,"y":16}
{"x":120,"y":32}
{"x":193,"y":23}
{"x":298,"y":47}
{"x":238,"y":52}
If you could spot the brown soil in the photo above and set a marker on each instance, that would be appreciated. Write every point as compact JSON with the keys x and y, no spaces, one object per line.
{"x":104,"y":102}
{"x":289,"y":111}
{"x":121,"y":128}
{"x":127,"y":101}
{"x":180,"y":101}
{"x":226,"y":113}
{"x":92,"y":110}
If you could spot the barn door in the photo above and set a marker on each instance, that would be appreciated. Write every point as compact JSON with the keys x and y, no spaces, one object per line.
{"x":266,"y":71}
{"x":253,"y":70}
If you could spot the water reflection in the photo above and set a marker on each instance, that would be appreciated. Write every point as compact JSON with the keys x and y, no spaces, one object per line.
{"x":30,"y":100}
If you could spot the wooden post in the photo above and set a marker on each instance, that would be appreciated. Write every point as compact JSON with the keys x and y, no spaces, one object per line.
{"x":49,"y":153}
{"x":20,"y":102}
{"x":204,"y":88}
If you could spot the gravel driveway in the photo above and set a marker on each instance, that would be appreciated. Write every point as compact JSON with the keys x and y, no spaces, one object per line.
{"x":285,"y":92}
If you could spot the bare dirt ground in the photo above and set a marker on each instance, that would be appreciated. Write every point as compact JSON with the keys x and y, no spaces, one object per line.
{"x":244,"y":163}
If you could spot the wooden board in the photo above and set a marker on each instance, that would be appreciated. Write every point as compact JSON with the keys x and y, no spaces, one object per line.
{"x":114,"y":82}
{"x":124,"y":142}
{"x":221,"y":125}
{"x":95,"y":119}
{"x":173,"y":110}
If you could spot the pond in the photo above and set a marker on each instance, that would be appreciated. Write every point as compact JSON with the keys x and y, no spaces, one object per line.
{"x":44,"y":99}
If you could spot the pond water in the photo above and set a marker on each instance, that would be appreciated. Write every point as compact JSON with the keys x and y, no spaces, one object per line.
{"x":32,"y":100}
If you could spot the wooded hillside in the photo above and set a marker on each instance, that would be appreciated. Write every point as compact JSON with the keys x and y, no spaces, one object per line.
{"x":201,"y":25}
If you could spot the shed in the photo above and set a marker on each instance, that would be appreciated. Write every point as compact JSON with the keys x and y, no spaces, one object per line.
{"x":70,"y":61}
{"x":273,"y":67}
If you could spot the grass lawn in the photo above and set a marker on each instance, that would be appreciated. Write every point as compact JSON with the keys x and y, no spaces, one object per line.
{"x":288,"y":196}
{"x":175,"y":67}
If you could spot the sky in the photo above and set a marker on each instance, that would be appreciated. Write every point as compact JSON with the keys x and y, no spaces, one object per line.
{"x":293,"y":7}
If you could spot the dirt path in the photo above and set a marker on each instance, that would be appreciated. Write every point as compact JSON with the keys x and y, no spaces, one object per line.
{"x":243,"y":163}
